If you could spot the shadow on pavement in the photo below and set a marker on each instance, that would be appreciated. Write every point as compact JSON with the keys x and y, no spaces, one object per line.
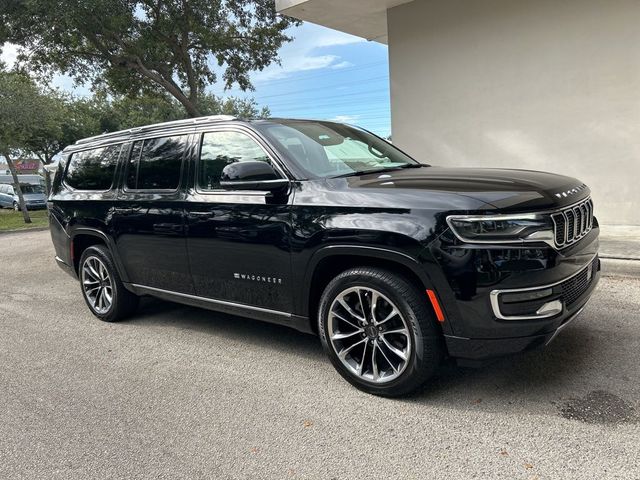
{"x":160,"y":313}
{"x":537,"y":380}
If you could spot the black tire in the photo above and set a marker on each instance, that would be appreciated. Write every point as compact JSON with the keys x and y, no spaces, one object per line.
{"x":427,"y":350}
{"x":123,"y":303}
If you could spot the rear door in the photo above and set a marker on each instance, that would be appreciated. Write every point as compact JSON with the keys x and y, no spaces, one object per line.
{"x":238,"y":241}
{"x":148,"y":219}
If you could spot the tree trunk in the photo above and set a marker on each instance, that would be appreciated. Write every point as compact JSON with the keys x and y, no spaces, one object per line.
{"x":47,"y":177}
{"x":16,"y":186}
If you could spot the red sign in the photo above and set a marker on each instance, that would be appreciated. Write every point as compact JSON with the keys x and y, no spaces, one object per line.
{"x":27,"y":165}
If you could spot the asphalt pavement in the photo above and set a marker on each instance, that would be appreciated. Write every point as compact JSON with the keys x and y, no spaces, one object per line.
{"x":178,"y":392}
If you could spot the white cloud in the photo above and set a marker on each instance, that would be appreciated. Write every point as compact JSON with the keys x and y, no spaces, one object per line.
{"x":302,"y":53}
{"x":9,"y":54}
{"x":344,"y":118}
{"x":344,"y":64}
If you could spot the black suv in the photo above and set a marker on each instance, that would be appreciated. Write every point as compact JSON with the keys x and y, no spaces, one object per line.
{"x":328,"y":229}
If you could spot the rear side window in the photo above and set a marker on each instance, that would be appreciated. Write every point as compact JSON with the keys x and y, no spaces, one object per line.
{"x":93,"y":169}
{"x":155,"y":163}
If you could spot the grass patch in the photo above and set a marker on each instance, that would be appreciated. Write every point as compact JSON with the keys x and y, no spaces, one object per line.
{"x":11,"y":220}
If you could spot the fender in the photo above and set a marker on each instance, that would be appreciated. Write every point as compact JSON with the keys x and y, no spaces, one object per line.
{"x":364,"y":251}
{"x":419,"y":265}
{"x":75,"y":231}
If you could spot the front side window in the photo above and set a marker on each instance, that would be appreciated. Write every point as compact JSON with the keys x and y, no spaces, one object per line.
{"x":93,"y":169}
{"x":220,"y":149}
{"x":155,"y":163}
{"x":327,"y":149}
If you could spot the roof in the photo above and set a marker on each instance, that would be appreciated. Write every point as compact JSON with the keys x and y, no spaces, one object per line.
{"x":363,"y":18}
{"x":176,"y":124}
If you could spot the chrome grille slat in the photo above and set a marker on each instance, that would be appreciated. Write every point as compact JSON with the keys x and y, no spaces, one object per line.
{"x":573,"y":223}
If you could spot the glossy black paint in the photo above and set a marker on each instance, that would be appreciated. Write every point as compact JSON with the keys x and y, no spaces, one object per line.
{"x":257,"y":252}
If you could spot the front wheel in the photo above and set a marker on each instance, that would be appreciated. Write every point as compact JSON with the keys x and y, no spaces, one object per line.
{"x":102,"y":288}
{"x":379,"y":332}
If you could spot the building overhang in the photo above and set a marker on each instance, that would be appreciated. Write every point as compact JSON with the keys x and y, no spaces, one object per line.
{"x":363,"y":18}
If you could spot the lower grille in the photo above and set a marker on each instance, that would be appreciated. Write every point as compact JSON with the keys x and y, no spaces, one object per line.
{"x":573,"y":288}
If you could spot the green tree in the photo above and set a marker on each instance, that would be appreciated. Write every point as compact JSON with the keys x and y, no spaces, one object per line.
{"x":121,"y":112}
{"x":148,"y":45}
{"x":19,"y":109}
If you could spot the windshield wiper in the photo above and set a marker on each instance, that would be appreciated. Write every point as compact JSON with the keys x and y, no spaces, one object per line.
{"x":379,"y":170}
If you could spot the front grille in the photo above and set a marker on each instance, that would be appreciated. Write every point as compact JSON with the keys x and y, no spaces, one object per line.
{"x":571,"y":224}
{"x":573,"y":288}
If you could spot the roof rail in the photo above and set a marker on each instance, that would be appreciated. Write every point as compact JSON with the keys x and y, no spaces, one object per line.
{"x":176,"y":123}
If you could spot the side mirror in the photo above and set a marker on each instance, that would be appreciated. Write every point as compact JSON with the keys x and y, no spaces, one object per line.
{"x":251,"y":175}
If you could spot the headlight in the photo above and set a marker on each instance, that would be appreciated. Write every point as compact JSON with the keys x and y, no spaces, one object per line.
{"x":502,"y":228}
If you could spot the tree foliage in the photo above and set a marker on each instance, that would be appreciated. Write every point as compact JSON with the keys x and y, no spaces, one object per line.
{"x":135,"y":47}
{"x":19,"y":110}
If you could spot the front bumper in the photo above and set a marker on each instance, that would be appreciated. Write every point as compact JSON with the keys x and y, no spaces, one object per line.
{"x":36,"y":206}
{"x":477,"y":351}
{"x":504,"y":301}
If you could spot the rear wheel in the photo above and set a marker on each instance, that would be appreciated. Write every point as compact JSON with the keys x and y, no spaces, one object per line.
{"x":379,"y":332}
{"x":102,"y":287}
{"x":16,"y":207}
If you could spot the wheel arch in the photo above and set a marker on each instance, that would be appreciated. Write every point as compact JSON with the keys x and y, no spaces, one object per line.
{"x":329,"y":261}
{"x":82,"y":238}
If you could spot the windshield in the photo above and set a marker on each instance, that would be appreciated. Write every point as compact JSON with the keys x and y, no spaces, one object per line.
{"x":27,"y":188}
{"x":327,"y":149}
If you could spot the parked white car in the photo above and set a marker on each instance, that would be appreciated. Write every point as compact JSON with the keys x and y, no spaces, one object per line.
{"x":34,"y":196}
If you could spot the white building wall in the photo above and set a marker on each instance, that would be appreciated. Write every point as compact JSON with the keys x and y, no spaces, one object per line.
{"x":545,"y":85}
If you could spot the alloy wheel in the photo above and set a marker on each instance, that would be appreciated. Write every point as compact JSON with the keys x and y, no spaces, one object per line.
{"x":369,"y":334}
{"x":97,"y":284}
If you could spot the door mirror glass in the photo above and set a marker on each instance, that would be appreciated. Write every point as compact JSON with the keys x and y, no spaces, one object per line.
{"x":251,"y":175}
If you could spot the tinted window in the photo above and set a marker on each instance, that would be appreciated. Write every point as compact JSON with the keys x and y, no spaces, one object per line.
{"x":219,"y":149}
{"x":327,"y":149}
{"x":93,"y":169}
{"x":159,"y":163}
{"x":28,"y":188}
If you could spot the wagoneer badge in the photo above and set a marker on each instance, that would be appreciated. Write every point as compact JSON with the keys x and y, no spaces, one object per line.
{"x":257,"y":278}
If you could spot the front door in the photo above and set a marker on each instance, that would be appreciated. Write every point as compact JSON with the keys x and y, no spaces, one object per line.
{"x":148,"y":219}
{"x":238,"y":242}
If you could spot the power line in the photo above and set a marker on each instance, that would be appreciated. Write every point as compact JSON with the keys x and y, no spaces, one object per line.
{"x":364,"y":97}
{"x":333,"y":72}
{"x":359,"y":82}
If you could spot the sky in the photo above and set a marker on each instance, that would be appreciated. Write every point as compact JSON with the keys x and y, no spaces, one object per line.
{"x":324,"y":74}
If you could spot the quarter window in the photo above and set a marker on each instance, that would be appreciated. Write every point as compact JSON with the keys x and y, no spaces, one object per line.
{"x":93,"y":169}
{"x":220,"y":149}
{"x":155,"y":163}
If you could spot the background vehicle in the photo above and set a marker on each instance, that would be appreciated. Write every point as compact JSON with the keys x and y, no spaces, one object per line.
{"x":328,"y":229}
{"x":34,"y":196}
{"x":23,"y":178}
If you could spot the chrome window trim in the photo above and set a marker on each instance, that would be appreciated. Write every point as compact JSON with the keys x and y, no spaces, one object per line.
{"x":494,"y":296}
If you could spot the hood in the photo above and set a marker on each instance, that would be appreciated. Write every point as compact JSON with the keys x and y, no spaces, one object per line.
{"x":34,"y":197}
{"x":503,"y":189}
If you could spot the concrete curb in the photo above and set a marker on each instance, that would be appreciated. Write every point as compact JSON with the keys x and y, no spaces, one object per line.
{"x":618,"y":267}
{"x":24,"y":230}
